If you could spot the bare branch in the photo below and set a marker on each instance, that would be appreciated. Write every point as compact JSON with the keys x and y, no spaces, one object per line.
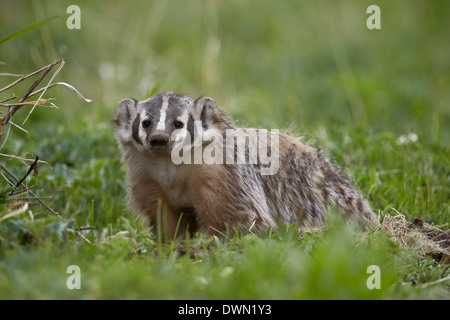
{"x":46,"y":87}
{"x":42,"y":202}
{"x":27,"y":76}
{"x":32,"y":167}
{"x":8,"y":99}
{"x":33,"y":86}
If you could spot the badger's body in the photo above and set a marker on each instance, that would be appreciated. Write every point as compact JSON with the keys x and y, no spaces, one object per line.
{"x":185,"y":170}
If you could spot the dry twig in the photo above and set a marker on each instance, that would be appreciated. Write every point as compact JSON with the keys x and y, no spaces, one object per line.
{"x":42,"y":202}
{"x":12,"y":108}
{"x":32,"y":168}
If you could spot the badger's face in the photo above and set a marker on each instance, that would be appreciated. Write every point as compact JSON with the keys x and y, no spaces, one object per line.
{"x":165,"y":122}
{"x":156,"y":124}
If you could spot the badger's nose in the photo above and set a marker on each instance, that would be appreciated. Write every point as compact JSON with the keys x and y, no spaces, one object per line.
{"x":159,"y":140}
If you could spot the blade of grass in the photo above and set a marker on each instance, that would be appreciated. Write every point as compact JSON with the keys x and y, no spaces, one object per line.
{"x":74,"y":90}
{"x":27,"y":29}
{"x":23,"y":159}
{"x":9,"y":214}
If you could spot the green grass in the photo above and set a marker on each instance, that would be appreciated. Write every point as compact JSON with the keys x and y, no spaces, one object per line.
{"x":309,"y":68}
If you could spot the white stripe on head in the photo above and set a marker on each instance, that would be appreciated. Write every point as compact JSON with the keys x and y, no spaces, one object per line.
{"x":162,"y":118}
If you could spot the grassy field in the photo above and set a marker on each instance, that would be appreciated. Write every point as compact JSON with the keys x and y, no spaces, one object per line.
{"x":376,"y":101}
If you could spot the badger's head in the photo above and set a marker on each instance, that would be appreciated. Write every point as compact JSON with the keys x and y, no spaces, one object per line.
{"x":164,"y":121}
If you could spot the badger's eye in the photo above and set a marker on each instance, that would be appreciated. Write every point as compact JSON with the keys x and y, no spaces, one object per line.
{"x":146,"y":124}
{"x":178,"y":124}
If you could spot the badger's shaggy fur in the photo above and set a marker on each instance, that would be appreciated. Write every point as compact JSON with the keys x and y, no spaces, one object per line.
{"x":159,"y":138}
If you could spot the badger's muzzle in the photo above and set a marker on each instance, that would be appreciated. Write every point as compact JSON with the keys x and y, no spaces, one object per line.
{"x":159,"y":141}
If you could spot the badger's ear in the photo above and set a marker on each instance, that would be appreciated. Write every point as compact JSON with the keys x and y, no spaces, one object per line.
{"x":126,"y":111}
{"x":204,"y":108}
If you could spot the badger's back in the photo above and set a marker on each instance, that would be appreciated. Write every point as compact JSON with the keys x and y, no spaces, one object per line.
{"x":307,"y":183}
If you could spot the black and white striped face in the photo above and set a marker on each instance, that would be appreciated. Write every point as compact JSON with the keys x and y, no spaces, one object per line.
{"x":156,"y":124}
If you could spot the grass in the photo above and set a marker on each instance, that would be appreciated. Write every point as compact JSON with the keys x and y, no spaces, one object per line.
{"x":312,"y":69}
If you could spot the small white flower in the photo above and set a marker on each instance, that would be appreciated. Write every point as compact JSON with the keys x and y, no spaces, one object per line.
{"x":226,"y":272}
{"x":409,"y":138}
{"x":202,"y":280}
{"x":106,"y":70}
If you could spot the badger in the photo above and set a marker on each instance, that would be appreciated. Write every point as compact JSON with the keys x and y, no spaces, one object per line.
{"x":191,"y":169}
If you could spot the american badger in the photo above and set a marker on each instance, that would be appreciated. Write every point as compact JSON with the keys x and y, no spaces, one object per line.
{"x":190,"y":168}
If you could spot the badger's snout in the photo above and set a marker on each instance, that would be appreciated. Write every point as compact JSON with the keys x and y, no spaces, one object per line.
{"x":159,"y":140}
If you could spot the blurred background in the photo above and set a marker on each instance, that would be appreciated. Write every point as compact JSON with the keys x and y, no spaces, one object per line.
{"x":268,"y":63}
{"x":306,"y":67}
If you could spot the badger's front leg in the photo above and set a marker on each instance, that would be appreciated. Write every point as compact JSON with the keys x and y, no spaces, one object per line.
{"x":148,"y":198}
